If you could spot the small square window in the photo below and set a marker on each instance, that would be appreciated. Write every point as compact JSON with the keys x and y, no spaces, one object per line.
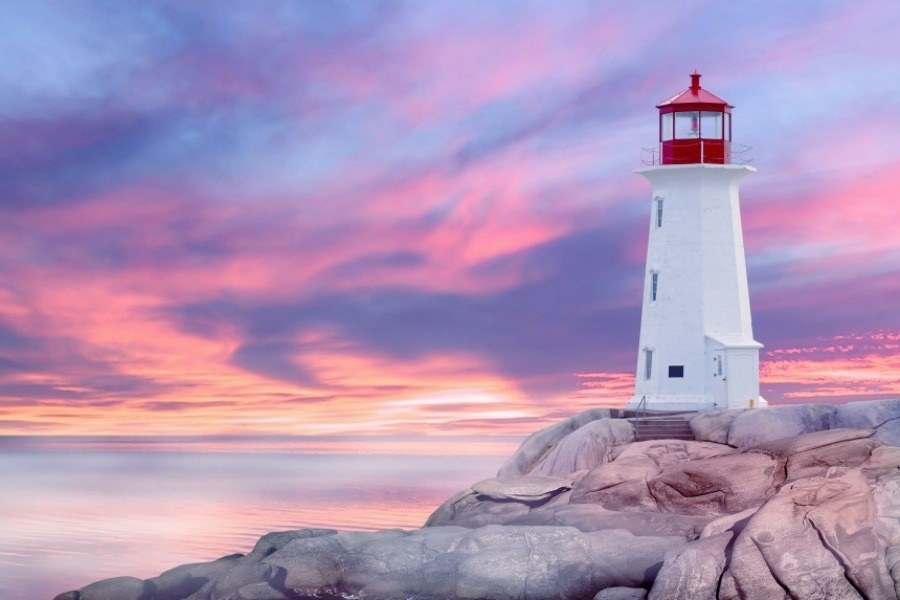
{"x":676,"y":370}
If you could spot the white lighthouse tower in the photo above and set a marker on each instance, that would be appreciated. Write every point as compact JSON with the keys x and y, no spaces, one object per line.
{"x":696,"y":348}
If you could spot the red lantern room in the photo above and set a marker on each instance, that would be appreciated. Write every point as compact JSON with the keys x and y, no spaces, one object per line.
{"x":695,"y":127}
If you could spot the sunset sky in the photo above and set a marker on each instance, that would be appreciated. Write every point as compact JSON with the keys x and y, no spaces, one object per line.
{"x":398,"y":218}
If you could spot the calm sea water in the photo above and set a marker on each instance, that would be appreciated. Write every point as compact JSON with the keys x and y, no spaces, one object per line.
{"x":74,"y":510}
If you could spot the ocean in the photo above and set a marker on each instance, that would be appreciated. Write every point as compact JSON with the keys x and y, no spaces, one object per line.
{"x":77,"y":509}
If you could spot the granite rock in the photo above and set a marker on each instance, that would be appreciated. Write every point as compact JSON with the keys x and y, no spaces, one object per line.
{"x":766,"y":424}
{"x":585,"y":448}
{"x":523,"y":488}
{"x":116,"y":588}
{"x":883,"y":415}
{"x":692,"y":571}
{"x":713,"y":425}
{"x":621,"y":593}
{"x":538,"y":443}
{"x":815,"y":539}
{"x":590,"y":517}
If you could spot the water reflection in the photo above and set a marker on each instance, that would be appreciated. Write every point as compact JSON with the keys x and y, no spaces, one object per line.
{"x":76,"y":510}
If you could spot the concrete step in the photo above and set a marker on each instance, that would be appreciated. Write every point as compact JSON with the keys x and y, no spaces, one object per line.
{"x":648,"y":438}
{"x":662,"y":427}
{"x":663,"y":430}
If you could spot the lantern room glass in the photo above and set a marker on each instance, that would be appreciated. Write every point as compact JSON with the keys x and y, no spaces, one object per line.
{"x":711,"y":125}
{"x":665,"y":127}
{"x":687,"y":125}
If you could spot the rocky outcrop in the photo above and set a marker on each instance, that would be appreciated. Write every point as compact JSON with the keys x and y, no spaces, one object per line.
{"x":579,"y":512}
{"x":692,"y":571}
{"x":747,"y":427}
{"x":431,"y":563}
{"x":540,"y":442}
{"x":756,"y":426}
{"x":713,"y":425}
{"x":585,"y":448}
{"x":815,"y":539}
{"x":881,"y":415}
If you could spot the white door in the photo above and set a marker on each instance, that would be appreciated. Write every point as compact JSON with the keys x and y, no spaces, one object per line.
{"x":720,"y":378}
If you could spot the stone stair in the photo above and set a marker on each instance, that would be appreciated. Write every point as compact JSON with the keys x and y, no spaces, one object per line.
{"x":663,"y":427}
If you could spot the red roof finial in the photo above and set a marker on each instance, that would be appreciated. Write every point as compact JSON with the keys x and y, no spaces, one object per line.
{"x":695,"y":81}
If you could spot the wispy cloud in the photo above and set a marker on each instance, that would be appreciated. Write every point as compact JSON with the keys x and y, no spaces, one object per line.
{"x":399,"y":218}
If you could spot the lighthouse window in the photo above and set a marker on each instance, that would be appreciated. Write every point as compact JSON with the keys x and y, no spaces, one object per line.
{"x":665,"y":127}
{"x":659,"y":212}
{"x":728,"y":127}
{"x":676,"y":370}
{"x":711,"y":125}
{"x":687,"y":125}
{"x":648,"y":363}
{"x":654,"y":285}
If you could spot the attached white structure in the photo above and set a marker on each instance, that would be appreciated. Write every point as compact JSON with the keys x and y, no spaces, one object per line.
{"x":696,"y":349}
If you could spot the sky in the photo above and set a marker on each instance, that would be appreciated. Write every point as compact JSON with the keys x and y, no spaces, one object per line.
{"x":397,"y":218}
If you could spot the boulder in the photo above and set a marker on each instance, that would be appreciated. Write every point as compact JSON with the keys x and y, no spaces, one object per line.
{"x":886,"y":496}
{"x":538,"y":443}
{"x":590,"y":517}
{"x":692,"y":571}
{"x":815,"y":539}
{"x":766,"y":424}
{"x":585,"y":448}
{"x":813,"y":454}
{"x":620,"y":485}
{"x":271,"y":542}
{"x":713,"y":425}
{"x":883,"y":415}
{"x":116,"y":588}
{"x":471,"y":510}
{"x":734,"y":523}
{"x":714,"y":486}
{"x":523,"y":488}
{"x":489,"y":562}
{"x":669,"y":452}
{"x":244,"y":580}
{"x":185,"y":580}
{"x":621,"y":593}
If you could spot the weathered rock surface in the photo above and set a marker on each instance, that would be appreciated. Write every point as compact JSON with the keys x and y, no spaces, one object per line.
{"x":882,"y":415}
{"x":525,"y":489}
{"x":621,"y":593}
{"x":803,"y":502}
{"x":590,"y":517}
{"x":763,"y":425}
{"x":585,"y":448}
{"x":692,"y":571}
{"x":713,"y":425}
{"x":714,"y":486}
{"x":538,"y":443}
{"x":815,"y":539}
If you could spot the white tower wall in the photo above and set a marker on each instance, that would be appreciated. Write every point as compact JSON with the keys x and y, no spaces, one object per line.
{"x":700,"y":318}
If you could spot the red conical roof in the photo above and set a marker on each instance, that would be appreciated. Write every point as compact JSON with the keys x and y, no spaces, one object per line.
{"x":695,"y":95}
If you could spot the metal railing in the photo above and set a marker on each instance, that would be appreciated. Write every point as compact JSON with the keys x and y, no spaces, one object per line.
{"x":641,"y":407}
{"x":739,"y":154}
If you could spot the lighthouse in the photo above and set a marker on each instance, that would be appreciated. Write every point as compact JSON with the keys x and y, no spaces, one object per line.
{"x":696,"y":349}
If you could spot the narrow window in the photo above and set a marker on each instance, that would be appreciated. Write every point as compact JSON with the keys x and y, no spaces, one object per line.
{"x":665,"y":126}
{"x":648,"y":363}
{"x":654,"y":285}
{"x":659,"y":212}
{"x":676,"y":370}
{"x":719,"y":366}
